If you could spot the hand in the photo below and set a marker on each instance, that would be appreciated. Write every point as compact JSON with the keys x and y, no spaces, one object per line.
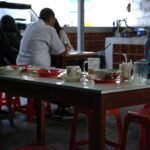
{"x":67,"y":47}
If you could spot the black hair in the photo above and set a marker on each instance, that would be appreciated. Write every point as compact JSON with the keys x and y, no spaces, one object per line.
{"x":8,"y":24}
{"x":46,"y":13}
{"x":57,"y":27}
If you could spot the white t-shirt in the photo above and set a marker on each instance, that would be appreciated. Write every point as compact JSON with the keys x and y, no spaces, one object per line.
{"x":38,"y":43}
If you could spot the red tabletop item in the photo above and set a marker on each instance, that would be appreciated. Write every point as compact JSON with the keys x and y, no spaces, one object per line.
{"x":49,"y":73}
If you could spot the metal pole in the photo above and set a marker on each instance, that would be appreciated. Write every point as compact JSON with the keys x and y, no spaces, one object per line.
{"x":80,"y":28}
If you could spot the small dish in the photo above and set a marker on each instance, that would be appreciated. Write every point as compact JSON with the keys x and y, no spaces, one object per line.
{"x":11,"y":70}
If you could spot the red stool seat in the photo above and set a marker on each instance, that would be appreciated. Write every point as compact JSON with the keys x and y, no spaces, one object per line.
{"x":74,"y":143}
{"x":34,"y":147}
{"x":141,"y":117}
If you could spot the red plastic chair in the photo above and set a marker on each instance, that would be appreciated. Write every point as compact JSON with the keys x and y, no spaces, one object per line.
{"x":74,"y":144}
{"x":29,"y":109}
{"x":3,"y":100}
{"x":141,"y":117}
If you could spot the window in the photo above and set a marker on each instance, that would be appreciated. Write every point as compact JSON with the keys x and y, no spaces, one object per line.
{"x":98,"y":13}
{"x":21,"y":13}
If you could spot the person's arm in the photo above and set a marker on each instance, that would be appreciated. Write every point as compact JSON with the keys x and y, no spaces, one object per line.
{"x":57,"y":51}
{"x":65,"y":40}
{"x":57,"y":47}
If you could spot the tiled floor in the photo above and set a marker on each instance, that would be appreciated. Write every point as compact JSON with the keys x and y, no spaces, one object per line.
{"x":57,"y":133}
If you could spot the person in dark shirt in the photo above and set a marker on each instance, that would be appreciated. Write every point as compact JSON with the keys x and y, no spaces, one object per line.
{"x":6,"y":53}
{"x":12,"y":33}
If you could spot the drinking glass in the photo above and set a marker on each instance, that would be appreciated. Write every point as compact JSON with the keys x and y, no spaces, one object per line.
{"x":140,"y":72}
{"x":93,"y":63}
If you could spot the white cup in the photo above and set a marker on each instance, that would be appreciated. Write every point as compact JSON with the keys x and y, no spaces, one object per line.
{"x":73,"y":71}
{"x":93,"y":64}
{"x":140,"y":72}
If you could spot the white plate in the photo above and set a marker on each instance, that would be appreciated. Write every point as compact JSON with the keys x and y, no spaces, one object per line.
{"x":69,"y":79}
{"x":9,"y":70}
{"x":72,"y":79}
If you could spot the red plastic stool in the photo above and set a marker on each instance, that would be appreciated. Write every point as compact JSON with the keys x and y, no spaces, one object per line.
{"x":4,"y":101}
{"x":9,"y":104}
{"x":141,"y":117}
{"x":74,"y":144}
{"x":34,"y":147}
{"x":30,"y":109}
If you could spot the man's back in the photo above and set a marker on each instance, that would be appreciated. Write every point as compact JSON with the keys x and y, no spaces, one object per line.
{"x":38,"y":43}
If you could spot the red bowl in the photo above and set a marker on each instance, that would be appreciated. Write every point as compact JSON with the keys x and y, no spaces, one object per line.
{"x":48,"y":73}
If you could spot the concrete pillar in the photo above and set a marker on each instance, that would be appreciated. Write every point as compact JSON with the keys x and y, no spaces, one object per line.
{"x":80,"y":28}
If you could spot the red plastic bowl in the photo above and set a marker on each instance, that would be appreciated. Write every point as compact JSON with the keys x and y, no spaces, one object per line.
{"x":47,"y":73}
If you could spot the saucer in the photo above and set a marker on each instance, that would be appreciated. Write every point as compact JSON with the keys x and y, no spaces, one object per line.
{"x":53,"y":72}
{"x":11,"y":70}
{"x":71,"y":79}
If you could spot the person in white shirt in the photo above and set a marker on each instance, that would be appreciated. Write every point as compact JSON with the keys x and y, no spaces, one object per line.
{"x":40,"y":41}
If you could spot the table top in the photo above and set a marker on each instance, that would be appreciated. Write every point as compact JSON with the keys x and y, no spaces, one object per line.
{"x":102,"y":88}
{"x":98,"y":97}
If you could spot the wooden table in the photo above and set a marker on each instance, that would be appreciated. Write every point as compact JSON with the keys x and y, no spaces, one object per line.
{"x":98,"y":97}
{"x":75,"y":57}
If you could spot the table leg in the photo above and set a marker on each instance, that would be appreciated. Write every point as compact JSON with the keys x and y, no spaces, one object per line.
{"x":97,"y":133}
{"x":147,"y":138}
{"x":40,"y":122}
